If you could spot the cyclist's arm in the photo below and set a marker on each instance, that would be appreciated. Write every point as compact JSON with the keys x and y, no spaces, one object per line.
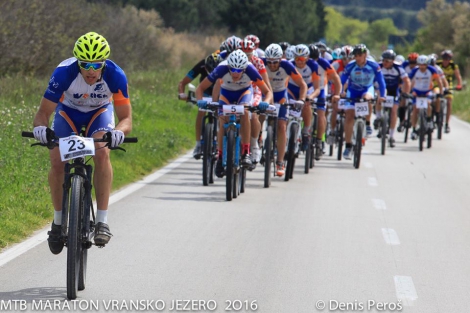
{"x":46,"y":108}
{"x":334,"y":78}
{"x":265,"y":77}
{"x":206,"y":83}
{"x":124,"y":115}
{"x":268,"y":94}
{"x":316,"y":86}
{"x":216,"y":90}
{"x":437,"y":79}
{"x":458,"y":76}
{"x":182,"y":84}
{"x":406,"y":84}
{"x":302,"y":85}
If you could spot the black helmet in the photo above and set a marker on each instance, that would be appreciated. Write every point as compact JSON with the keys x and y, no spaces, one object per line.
{"x":314,"y":51}
{"x":389,"y":55}
{"x":211,"y":62}
{"x":447,"y":54}
{"x":284,"y":45}
{"x":359,"y":49}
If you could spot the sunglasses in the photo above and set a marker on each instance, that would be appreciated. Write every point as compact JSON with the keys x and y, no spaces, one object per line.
{"x":236,"y":70}
{"x":94,"y":65}
{"x":301,"y":59}
{"x":272,"y":62}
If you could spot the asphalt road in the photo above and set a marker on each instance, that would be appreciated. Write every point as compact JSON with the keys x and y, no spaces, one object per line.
{"x":390,"y":236}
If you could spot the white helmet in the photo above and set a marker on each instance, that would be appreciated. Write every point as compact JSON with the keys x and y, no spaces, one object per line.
{"x":273,"y":51}
{"x":422,"y":59}
{"x":399,"y":59}
{"x":301,"y":51}
{"x":290,"y":52}
{"x":238,"y":59}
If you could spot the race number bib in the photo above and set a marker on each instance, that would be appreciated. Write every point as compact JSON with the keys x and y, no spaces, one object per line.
{"x":230,"y":109}
{"x":422,"y":103}
{"x":295,"y":113}
{"x":389,"y":101}
{"x":362,"y":108}
{"x":75,"y":146}
{"x":342,"y":104}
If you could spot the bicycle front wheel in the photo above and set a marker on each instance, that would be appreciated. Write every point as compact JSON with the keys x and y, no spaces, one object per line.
{"x":358,"y":148}
{"x":340,"y":137}
{"x":74,"y":238}
{"x":384,"y":131}
{"x":422,"y":131}
{"x":268,"y":155}
{"x":291,"y":151}
{"x":207,"y":154}
{"x":407,"y":123}
{"x":229,"y":169}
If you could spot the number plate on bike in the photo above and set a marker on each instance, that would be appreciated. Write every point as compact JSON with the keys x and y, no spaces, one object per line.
{"x":389,"y":101}
{"x":295,"y":113}
{"x":230,"y":109}
{"x":422,"y":103}
{"x":362,"y":108}
{"x":342,"y":104}
{"x":75,"y":146}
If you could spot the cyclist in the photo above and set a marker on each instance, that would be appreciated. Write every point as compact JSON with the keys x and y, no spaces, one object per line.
{"x":422,"y":78}
{"x":248,"y":47}
{"x":450,"y":70}
{"x":308,"y":68}
{"x":408,"y":66}
{"x":324,"y":51}
{"x":339,"y":66}
{"x":236,"y":75}
{"x":201,"y":69}
{"x":279,"y":72}
{"x":85,"y":91}
{"x":327,"y":74}
{"x":394,"y":76}
{"x":360,"y":75}
{"x":432,"y":59}
{"x":231,"y":44}
{"x":284,"y":45}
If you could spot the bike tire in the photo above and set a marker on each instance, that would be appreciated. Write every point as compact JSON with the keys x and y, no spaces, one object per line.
{"x":421,"y":132}
{"x":291,"y":151}
{"x":384,"y":135}
{"x":83,"y":267}
{"x":268,"y":155}
{"x":358,"y":148}
{"x":440,"y":123}
{"x":311,"y":162}
{"x":207,"y":153}
{"x":340,"y":138}
{"x":407,"y":123}
{"x":229,"y":168}
{"x":308,"y":155}
{"x":429,"y":131}
{"x":242,"y":178}
{"x":74,"y":238}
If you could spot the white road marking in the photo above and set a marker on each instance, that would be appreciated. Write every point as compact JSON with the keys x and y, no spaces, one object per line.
{"x":41,"y":236}
{"x":372,"y":181}
{"x":406,"y":291}
{"x":379,"y":204}
{"x":390,"y":236}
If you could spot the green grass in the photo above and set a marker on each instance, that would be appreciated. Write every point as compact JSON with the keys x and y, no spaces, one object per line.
{"x":461,"y":104}
{"x":164,"y":126}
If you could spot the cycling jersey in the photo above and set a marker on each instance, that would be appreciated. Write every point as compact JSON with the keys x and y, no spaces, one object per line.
{"x":393,"y":78}
{"x":449,"y":70}
{"x":68,"y":86}
{"x":324,"y":68}
{"x":249,"y":75}
{"x":361,"y":78}
{"x":200,"y":69}
{"x":406,"y":66}
{"x":423,"y":80}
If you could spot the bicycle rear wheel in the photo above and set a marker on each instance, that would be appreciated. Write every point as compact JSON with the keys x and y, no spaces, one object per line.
{"x":242,"y":178}
{"x":440,"y":119}
{"x":429,"y":133}
{"x":308,"y":155}
{"x":207,"y":154}
{"x":268,"y":156}
{"x":384,"y":131}
{"x":291,"y":151}
{"x":74,"y":238}
{"x":407,"y":123}
{"x":340,"y":137}
{"x":422,"y":131}
{"x":358,"y":148}
{"x":230,"y":181}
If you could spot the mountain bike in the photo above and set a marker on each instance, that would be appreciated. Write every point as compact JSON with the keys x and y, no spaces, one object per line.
{"x":78,"y":215}
{"x":208,"y":138}
{"x":409,"y":109}
{"x":310,"y":151}
{"x":294,"y":136}
{"x":268,"y":159}
{"x":424,"y":130}
{"x":384,"y":122}
{"x":338,"y":132}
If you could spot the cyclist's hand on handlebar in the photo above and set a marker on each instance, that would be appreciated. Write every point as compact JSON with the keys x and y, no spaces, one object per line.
{"x":117,"y":137}
{"x":263,"y":106}
{"x":299,"y":104}
{"x":458,"y":87}
{"x":202,"y":104}
{"x":335,"y":98}
{"x":183,"y":96}
{"x":438,"y":95}
{"x":40,"y":134}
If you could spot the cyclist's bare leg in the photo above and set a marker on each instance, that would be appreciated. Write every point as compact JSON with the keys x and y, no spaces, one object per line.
{"x":449,"y":109}
{"x":281,"y":139}
{"x":334,"y":114}
{"x":103,"y":176}
{"x":56,"y":179}
{"x":393,"y":117}
{"x":307,"y":115}
{"x":245,"y":128}
{"x":348,"y":125}
{"x":321,"y":124}
{"x":199,"y":118}
{"x":255,"y":125}
{"x":414,"y":117}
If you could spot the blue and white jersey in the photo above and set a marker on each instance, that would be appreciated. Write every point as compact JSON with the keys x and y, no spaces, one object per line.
{"x":68,"y":86}
{"x":393,"y":77}
{"x":361,"y":78}
{"x":279,"y":78}
{"x":324,"y":68}
{"x":222,"y":71}
{"x":308,"y":72}
{"x":422,"y":81}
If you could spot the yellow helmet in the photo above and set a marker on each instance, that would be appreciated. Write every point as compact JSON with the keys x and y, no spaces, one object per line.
{"x":91,"y":47}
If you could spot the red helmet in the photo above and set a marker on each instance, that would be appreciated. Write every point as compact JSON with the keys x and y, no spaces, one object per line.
{"x":346,"y":52}
{"x":253,"y":38}
{"x":413,"y":57}
{"x":247,"y":46}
